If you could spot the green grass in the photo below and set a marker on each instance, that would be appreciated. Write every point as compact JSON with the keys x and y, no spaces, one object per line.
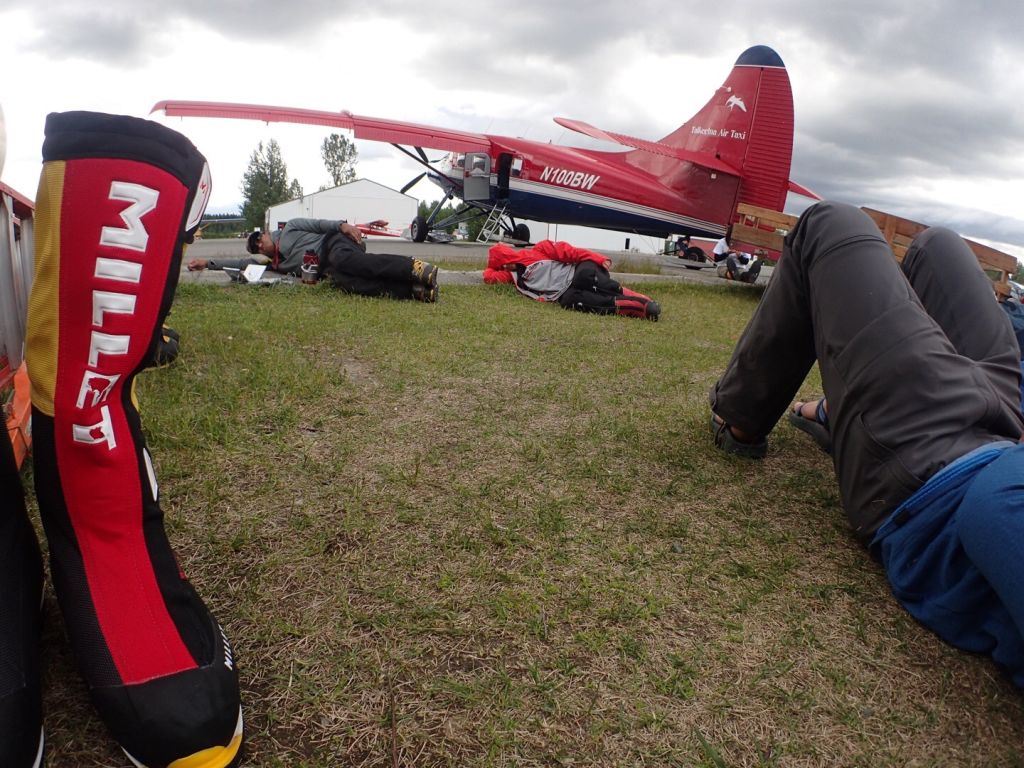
{"x":466,"y":265}
{"x":489,"y":532}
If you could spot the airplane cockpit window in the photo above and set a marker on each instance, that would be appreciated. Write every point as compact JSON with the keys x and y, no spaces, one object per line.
{"x":479,"y":167}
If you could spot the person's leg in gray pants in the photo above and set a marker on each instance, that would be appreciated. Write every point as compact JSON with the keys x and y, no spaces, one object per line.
{"x":914,"y":380}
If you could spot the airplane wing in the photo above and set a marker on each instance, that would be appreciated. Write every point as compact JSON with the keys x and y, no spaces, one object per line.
{"x":370,"y":128}
{"x":698,"y":158}
{"x":378,"y":227}
{"x":800,"y":189}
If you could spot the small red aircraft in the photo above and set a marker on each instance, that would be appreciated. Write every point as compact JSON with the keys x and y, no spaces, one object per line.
{"x":736,"y":149}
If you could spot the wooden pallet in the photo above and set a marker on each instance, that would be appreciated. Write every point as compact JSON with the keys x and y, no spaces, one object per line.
{"x":761,"y":227}
{"x":900,"y":232}
{"x":765,"y":228}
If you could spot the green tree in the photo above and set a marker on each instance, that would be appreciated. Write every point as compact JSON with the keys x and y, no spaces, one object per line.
{"x":217,"y":225}
{"x":265,"y":183}
{"x":340,"y":157}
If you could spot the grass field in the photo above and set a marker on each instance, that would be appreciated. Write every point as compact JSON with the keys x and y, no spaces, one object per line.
{"x":488,"y":532}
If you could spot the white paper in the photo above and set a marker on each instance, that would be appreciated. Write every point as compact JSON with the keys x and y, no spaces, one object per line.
{"x":253,"y":273}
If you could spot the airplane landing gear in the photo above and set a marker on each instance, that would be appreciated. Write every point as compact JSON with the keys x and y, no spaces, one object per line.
{"x":521,"y":232}
{"x":693,"y":253}
{"x":418,"y":229}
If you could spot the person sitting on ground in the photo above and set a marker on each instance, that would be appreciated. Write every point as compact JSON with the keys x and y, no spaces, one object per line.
{"x":922,"y":374}
{"x":723,"y":247}
{"x":738,"y":265}
{"x":574,"y":277}
{"x":335,"y":250}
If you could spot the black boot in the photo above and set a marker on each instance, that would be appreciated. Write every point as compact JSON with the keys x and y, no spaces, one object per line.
{"x":118,"y":199}
{"x":424,"y":273}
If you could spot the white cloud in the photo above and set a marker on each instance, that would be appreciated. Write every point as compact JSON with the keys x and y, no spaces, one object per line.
{"x":914,"y":106}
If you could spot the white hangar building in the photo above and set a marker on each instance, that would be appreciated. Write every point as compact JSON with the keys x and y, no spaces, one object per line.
{"x":357,"y":202}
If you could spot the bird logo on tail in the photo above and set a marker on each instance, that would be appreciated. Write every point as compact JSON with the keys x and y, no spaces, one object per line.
{"x":735,"y":101}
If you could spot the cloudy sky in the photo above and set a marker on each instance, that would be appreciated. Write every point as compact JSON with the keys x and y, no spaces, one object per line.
{"x":916,"y":108}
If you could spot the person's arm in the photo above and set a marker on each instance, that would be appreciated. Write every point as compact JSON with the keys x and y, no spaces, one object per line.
{"x":326,"y":227}
{"x":351,"y":232}
{"x":570,"y":254}
{"x":317,"y":226}
{"x":495,"y":276}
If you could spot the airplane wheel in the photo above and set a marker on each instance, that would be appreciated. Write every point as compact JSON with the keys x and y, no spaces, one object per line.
{"x":521,"y":232}
{"x":418,"y":229}
{"x":693,"y":253}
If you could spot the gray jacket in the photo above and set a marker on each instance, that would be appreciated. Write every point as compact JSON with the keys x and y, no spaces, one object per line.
{"x":297,"y":237}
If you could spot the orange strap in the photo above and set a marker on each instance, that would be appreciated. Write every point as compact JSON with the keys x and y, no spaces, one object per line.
{"x":19,"y":415}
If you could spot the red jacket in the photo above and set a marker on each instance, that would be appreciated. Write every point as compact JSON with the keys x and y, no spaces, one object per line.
{"x":503,"y":261}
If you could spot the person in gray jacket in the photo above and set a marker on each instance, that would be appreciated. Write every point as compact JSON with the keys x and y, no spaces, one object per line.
{"x":334,"y":250}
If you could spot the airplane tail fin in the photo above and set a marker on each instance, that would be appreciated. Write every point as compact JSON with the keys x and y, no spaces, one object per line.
{"x":748,"y":125}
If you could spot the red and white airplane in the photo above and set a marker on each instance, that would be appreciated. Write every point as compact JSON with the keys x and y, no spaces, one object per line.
{"x":736,"y":149}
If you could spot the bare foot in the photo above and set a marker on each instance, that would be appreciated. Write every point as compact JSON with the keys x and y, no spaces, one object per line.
{"x":809,"y":410}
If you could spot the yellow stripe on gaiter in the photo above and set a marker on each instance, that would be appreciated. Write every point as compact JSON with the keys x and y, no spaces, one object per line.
{"x":43,"y":309}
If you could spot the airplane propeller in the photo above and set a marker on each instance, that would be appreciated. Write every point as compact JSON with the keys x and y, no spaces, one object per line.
{"x":422,"y":159}
{"x":412,"y":183}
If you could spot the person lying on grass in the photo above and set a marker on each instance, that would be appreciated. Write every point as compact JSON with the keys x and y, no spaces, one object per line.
{"x":574,"y":277}
{"x":922,"y":374}
{"x":334,"y":249}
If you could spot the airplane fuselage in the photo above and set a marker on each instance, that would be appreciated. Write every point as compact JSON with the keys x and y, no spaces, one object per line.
{"x":568,"y":185}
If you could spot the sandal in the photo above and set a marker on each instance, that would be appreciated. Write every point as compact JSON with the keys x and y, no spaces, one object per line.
{"x":817,"y":427}
{"x":728,"y":442}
